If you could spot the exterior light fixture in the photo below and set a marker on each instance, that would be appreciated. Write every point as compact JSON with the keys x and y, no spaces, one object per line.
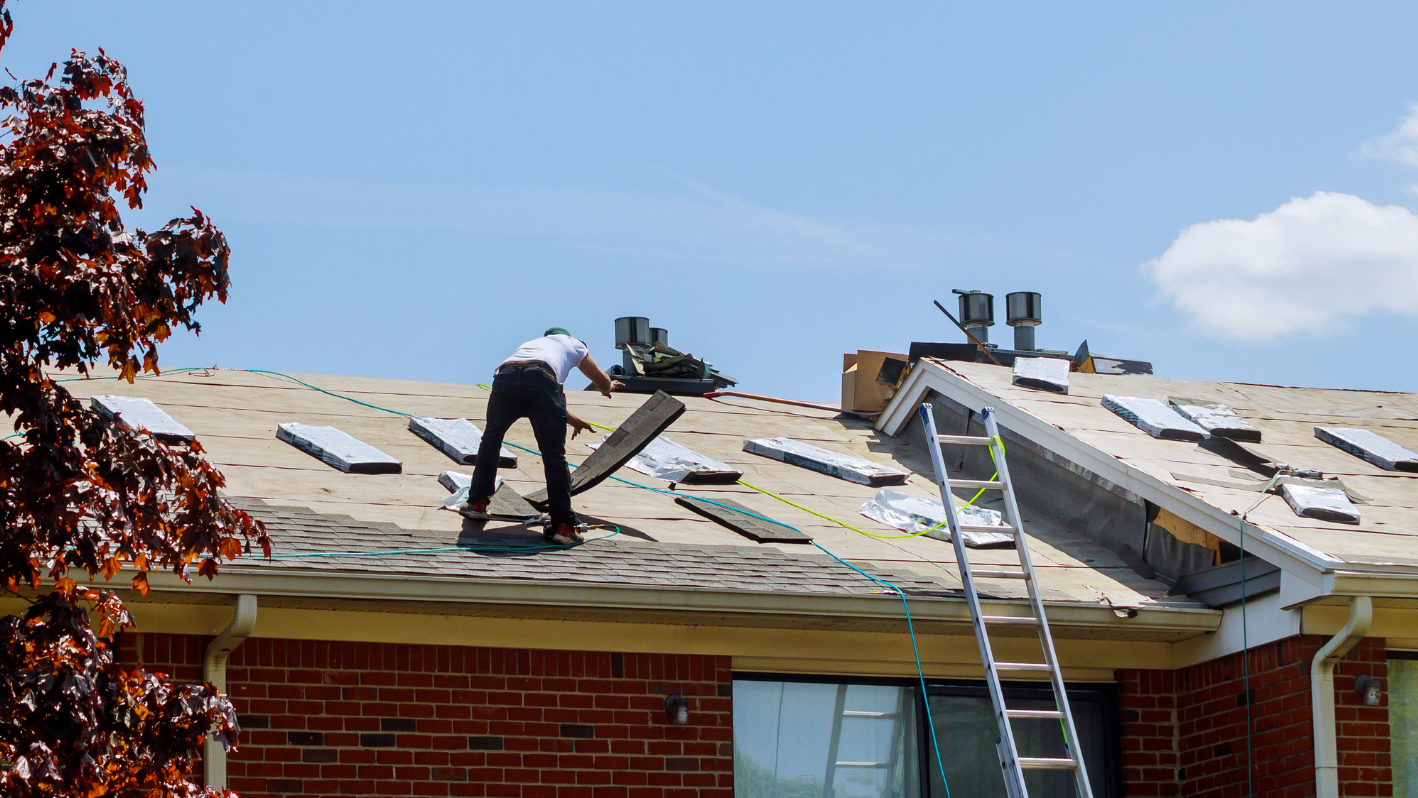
{"x":1371,"y":689}
{"x":677,"y":707}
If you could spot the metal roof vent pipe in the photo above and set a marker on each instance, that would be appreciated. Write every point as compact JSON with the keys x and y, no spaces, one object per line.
{"x":659,"y":335}
{"x":631,"y":330}
{"x":977,"y":313}
{"x":1022,"y":312}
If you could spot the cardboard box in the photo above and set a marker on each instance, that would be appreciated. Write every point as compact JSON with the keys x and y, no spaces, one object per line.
{"x":862,"y":392}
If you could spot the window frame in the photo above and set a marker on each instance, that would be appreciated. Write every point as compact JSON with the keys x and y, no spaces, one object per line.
{"x":1104,"y":692}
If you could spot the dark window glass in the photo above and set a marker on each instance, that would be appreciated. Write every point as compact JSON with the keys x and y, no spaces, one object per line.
{"x":967,"y":734}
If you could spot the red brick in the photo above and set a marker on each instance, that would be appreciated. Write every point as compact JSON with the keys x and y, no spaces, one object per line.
{"x":1173,"y":721}
{"x":460,"y":696}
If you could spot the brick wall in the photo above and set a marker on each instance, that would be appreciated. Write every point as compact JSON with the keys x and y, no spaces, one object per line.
{"x":393,"y":720}
{"x":1147,"y":700}
{"x":1184,"y":732}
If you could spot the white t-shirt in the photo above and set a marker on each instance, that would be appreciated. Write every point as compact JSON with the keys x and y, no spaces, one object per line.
{"x":560,"y":352}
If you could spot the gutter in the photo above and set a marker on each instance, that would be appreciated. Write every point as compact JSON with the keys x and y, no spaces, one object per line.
{"x":1361,"y":616}
{"x":243,"y":622}
{"x":275,"y":584}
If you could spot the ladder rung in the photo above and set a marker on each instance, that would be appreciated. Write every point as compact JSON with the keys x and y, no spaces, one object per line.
{"x":1040,"y":667}
{"x":992,"y":574}
{"x":1003,"y":529}
{"x":1046,"y":763}
{"x":982,"y":484}
{"x":863,"y":764}
{"x":964,"y":440}
{"x":865,"y":713}
{"x":1034,"y":714}
{"x":1020,"y":620}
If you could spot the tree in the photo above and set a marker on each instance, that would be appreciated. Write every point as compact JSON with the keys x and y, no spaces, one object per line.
{"x":80,"y":494}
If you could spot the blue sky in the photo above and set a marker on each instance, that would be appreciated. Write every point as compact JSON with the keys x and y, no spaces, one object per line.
{"x":412,"y":189}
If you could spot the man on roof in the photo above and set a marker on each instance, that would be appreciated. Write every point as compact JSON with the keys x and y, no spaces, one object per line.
{"x":528,"y":385}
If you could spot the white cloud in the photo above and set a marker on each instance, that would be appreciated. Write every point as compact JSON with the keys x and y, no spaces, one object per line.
{"x":1398,"y":146}
{"x":1309,"y":264}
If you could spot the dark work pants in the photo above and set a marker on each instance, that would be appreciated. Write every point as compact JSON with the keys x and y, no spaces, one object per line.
{"x":532,"y":393}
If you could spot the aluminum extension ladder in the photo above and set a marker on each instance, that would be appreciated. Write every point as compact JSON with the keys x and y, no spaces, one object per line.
{"x":1011,"y":762}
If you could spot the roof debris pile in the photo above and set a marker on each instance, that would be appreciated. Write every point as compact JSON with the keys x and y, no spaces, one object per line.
{"x":650,"y":364}
{"x":663,"y":361}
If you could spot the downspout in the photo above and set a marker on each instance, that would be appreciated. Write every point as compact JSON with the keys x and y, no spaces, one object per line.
{"x":1361,"y":615}
{"x":243,"y":621}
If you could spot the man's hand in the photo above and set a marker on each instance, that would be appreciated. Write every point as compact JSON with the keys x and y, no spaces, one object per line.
{"x":577,"y":425}
{"x":599,"y":378}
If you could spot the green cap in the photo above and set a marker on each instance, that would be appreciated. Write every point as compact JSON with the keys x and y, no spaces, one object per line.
{"x":556,"y":331}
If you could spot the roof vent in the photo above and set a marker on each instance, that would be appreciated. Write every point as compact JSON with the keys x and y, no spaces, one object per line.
{"x":1022,"y":312}
{"x":631,"y":330}
{"x":977,"y":313}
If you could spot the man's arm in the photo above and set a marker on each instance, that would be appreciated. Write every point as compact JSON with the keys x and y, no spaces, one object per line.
{"x":577,"y":425}
{"x":598,"y":378}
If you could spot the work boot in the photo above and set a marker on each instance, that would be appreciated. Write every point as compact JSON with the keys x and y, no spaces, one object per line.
{"x":564,"y":534}
{"x":477,"y":510}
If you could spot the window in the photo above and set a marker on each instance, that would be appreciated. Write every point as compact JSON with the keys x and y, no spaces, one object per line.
{"x":966,"y":732}
{"x":815,"y":740}
{"x":1403,"y":721}
{"x":820,"y":739}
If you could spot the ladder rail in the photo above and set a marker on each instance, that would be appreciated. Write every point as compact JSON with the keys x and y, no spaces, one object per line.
{"x":1013,"y":774}
{"x":1012,"y":764}
{"x":1083,"y":787}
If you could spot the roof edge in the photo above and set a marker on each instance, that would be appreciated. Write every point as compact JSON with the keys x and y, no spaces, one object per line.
{"x":1269,"y":544}
{"x":353,"y":586}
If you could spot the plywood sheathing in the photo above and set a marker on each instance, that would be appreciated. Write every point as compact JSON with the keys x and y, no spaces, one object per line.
{"x":235,"y":414}
{"x":1286,"y":417}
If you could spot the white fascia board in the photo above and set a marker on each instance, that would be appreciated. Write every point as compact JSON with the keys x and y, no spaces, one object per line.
{"x":1271,"y":546}
{"x":1377,"y":585}
{"x":400,"y":589}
